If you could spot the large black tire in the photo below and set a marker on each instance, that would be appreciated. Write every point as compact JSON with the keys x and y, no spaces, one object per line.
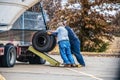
{"x":36,"y":60}
{"x":52,"y":43}
{"x":9,"y":58}
{"x":43,"y":42}
{"x":1,"y":45}
{"x":0,"y":61}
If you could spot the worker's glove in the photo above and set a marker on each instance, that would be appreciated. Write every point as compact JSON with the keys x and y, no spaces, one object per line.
{"x":49,"y":32}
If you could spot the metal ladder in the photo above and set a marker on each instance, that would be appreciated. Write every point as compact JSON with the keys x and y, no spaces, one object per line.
{"x":45,"y":56}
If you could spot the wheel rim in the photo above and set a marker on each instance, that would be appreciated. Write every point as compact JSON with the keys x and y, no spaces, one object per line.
{"x":12,"y":56}
{"x":41,"y":41}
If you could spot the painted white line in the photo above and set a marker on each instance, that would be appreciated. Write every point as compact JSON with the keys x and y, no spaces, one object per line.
{"x":86,"y":74}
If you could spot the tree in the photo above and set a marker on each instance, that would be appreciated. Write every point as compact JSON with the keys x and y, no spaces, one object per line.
{"x":91,"y":26}
{"x":51,"y":6}
{"x":116,"y":25}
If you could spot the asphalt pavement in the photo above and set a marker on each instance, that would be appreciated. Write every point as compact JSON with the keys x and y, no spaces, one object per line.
{"x":97,"y":68}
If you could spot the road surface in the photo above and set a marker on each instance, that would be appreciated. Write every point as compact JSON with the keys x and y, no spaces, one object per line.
{"x":97,"y":68}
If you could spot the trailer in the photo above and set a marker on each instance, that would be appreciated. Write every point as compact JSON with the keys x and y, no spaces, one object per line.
{"x":22,"y":26}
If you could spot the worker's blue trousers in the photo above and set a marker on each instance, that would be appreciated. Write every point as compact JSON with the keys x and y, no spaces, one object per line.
{"x":65,"y":52}
{"x":75,"y":48}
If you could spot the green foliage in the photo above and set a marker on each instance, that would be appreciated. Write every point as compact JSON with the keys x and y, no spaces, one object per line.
{"x":101,"y":48}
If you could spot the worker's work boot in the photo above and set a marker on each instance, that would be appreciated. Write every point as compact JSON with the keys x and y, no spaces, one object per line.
{"x":67,"y":65}
{"x":74,"y":65}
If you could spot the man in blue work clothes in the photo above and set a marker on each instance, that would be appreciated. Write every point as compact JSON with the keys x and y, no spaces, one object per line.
{"x":75,"y":45}
{"x":64,"y":45}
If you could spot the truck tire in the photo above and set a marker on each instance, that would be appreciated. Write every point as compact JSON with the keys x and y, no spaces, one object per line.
{"x":1,"y":45}
{"x":52,"y":43}
{"x":0,"y":61}
{"x":9,"y":57}
{"x":43,"y":42}
{"x":36,"y":60}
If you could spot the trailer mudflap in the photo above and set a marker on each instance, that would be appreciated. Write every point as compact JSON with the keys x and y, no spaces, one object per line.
{"x":1,"y":51}
{"x":45,"y":56}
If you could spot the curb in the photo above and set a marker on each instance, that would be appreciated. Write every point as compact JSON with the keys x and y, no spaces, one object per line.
{"x":101,"y":54}
{"x":95,"y":54}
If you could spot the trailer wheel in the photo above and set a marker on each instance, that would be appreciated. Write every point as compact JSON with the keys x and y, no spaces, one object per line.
{"x":9,"y":57}
{"x":1,"y":45}
{"x":43,"y":42}
{"x":36,"y":60}
{"x":0,"y":61}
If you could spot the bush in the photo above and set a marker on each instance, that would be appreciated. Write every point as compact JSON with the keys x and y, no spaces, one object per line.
{"x":102,"y":47}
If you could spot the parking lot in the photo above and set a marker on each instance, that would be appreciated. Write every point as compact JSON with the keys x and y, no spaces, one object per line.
{"x":97,"y":68}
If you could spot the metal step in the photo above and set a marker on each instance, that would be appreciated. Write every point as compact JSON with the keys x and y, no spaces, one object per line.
{"x":45,"y":56}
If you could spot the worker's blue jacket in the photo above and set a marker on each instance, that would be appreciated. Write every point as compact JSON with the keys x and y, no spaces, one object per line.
{"x":72,"y":36}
